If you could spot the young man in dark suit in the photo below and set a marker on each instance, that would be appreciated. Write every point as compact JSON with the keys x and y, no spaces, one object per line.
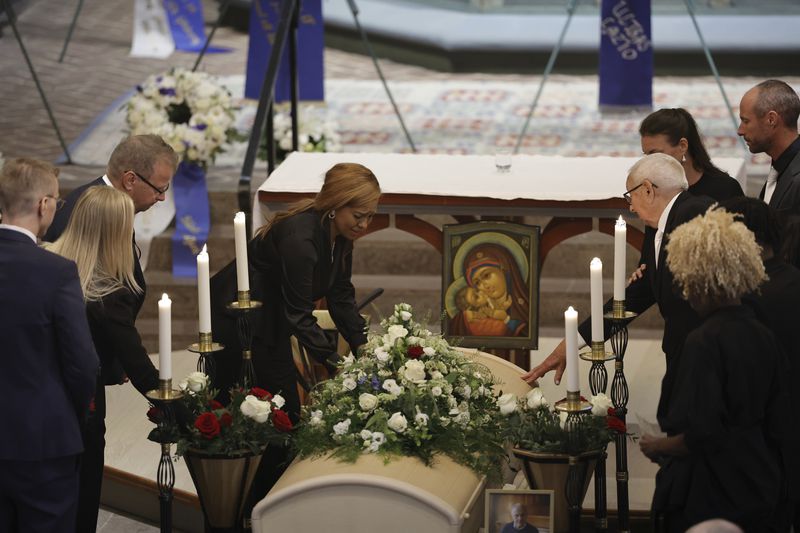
{"x":768,"y":114}
{"x":657,"y":193}
{"x":48,"y":365}
{"x":141,"y":166}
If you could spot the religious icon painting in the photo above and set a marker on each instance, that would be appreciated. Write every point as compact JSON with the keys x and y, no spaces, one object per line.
{"x":490,"y":285}
{"x":519,"y":511}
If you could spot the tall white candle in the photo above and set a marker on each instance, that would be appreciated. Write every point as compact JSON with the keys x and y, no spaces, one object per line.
{"x":240,"y":239}
{"x":571,"y":336}
{"x":203,"y":292}
{"x":620,"y":244}
{"x":165,"y":337}
{"x":596,"y":275}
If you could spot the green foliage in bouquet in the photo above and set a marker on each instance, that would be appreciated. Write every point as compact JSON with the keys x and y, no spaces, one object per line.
{"x":252,"y":419}
{"x":535,"y":426}
{"x":408,"y":394}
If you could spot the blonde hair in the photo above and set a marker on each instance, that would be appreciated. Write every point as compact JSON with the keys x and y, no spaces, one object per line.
{"x":714,"y":257}
{"x":98,"y":238}
{"x":346,"y":185}
{"x":23,"y":182}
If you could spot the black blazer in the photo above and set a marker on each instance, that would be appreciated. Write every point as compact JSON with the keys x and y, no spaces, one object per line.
{"x":657,"y":286}
{"x":786,"y":198}
{"x":48,"y":365}
{"x":113,"y":325}
{"x":717,"y":185}
{"x":61,"y":219}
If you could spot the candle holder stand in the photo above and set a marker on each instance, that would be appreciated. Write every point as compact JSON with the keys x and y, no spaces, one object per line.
{"x":598,"y":381}
{"x":162,"y":399}
{"x":576,"y":408}
{"x":619,"y":319}
{"x":244,"y":306}
{"x":205,"y":363}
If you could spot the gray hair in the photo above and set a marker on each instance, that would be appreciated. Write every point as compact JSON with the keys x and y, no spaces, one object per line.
{"x":520,"y":506}
{"x":662,"y":170}
{"x":140,"y":153}
{"x":778,"y":96}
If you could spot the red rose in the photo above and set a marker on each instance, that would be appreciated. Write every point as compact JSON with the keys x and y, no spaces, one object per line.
{"x":415,"y":352}
{"x":214,"y":405}
{"x":260,"y":393}
{"x":226,"y":419}
{"x":208,"y":425}
{"x":616,"y":424}
{"x":281,"y":420}
{"x":153,"y":414}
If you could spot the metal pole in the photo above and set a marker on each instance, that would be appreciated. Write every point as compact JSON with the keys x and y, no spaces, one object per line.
{"x":713,"y":66}
{"x":547,"y":70}
{"x":222,"y":10}
{"x":69,"y":32}
{"x":368,"y":46}
{"x":12,"y":22}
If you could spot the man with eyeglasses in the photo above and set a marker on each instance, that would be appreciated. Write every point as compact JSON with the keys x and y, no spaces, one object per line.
{"x":48,"y":364}
{"x":141,"y":166}
{"x":657,"y":193}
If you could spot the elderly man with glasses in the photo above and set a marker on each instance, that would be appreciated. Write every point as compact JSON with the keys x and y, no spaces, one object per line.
{"x":657,"y":193}
{"x":141,"y":166}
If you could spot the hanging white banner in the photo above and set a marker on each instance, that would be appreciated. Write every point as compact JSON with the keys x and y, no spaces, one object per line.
{"x":151,"y":33}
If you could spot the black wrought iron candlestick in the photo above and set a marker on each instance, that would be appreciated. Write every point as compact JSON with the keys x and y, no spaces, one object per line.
{"x":205,"y":363}
{"x":576,"y":408}
{"x":162,"y":398}
{"x":619,"y":319}
{"x":244,"y":306}
{"x":598,"y":381}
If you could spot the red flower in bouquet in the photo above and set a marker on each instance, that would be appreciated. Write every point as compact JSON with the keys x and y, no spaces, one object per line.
{"x":154,"y":415}
{"x":208,"y":425}
{"x":225,"y":420}
{"x":260,"y":393}
{"x":415,"y":352}
{"x":615,"y":423}
{"x":214,"y":405}
{"x":281,"y":421}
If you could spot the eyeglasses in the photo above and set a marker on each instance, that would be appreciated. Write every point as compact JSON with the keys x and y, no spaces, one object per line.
{"x":627,"y":194}
{"x":59,"y":201}
{"x":159,"y":191}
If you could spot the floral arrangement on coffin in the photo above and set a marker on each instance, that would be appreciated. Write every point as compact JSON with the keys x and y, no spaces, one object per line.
{"x":314,"y":135}
{"x":251,"y":420}
{"x":535,"y":426}
{"x":409,"y":393}
{"x":190,"y":110}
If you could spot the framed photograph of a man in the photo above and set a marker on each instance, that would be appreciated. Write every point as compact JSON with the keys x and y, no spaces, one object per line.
{"x":490,"y":285}
{"x":519,"y":511}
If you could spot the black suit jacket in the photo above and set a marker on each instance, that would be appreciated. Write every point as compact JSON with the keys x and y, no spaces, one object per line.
{"x":657,"y":286}
{"x":786,"y":198}
{"x":48,"y":365}
{"x":60,"y":224}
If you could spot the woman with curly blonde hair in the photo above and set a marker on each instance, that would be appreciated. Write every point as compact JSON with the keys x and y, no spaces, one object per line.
{"x":721,"y":457}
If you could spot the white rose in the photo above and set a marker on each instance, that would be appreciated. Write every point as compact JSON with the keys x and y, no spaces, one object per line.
{"x":256,"y":409}
{"x":535,"y":398}
{"x":367,"y":401}
{"x":405,"y":316}
{"x":392,"y":387}
{"x":366,"y":434}
{"x":196,"y":381}
{"x":436,"y":375}
{"x":415,"y":371}
{"x":507,"y":403}
{"x":316,"y":418}
{"x":562,"y":418}
{"x":396,"y":332}
{"x":381,"y":354}
{"x":428,"y":351}
{"x":349,"y":383}
{"x":436,"y":391}
{"x":378,"y":437}
{"x":348,"y":360}
{"x":278,"y":401}
{"x":340,"y":428}
{"x":466,"y":391}
{"x":600,"y":404}
{"x":421,"y":419}
{"x":398,"y":422}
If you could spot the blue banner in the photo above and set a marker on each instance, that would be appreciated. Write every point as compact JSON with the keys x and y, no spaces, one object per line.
{"x":192,"y":220}
{"x":265,"y":16}
{"x":187,"y":26}
{"x":626,"y":54}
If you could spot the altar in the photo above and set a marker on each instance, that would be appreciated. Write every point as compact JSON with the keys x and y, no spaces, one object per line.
{"x":574,"y":191}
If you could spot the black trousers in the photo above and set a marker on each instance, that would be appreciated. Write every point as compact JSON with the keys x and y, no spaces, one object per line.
{"x":38,"y":496}
{"x":91,"y":466}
